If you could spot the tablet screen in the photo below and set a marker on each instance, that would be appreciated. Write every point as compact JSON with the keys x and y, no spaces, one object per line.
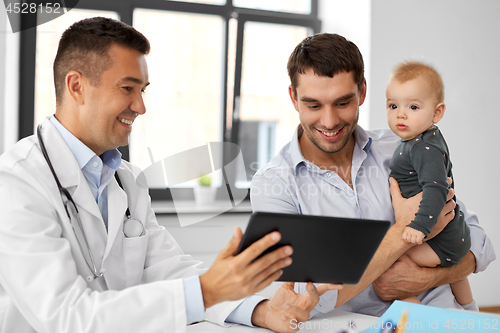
{"x":325,"y":249}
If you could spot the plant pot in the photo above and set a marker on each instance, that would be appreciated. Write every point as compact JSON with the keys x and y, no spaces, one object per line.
{"x":204,"y":195}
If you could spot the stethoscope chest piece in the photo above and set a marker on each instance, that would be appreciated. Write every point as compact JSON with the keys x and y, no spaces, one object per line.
{"x":133,"y":228}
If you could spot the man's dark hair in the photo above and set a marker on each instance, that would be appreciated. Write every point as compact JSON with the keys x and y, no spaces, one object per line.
{"x":84,"y":47}
{"x":326,"y":54}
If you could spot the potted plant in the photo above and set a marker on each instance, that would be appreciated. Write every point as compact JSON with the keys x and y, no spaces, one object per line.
{"x":204,"y":194}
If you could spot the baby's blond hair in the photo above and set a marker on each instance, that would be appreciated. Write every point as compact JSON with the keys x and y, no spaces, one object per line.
{"x":409,"y":70}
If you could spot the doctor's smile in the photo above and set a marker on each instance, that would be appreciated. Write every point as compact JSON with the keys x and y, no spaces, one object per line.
{"x":127,"y":122}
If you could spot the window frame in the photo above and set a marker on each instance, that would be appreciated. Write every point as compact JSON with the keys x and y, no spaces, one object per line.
{"x":125,"y":10}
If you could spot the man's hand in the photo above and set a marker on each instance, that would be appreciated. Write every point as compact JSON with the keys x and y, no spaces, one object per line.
{"x":404,"y":279}
{"x":287,"y":309}
{"x":233,"y":277}
{"x":447,"y":214}
{"x":405,"y":209}
{"x":413,"y":236}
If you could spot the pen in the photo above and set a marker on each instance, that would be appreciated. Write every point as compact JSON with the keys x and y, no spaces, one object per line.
{"x":401,"y":325}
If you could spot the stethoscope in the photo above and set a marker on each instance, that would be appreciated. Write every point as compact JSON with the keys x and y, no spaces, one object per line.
{"x":131,"y":227}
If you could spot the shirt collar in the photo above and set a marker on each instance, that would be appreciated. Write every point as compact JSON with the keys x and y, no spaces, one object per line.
{"x":82,"y":153}
{"x":363,"y":140}
{"x":295,"y":151}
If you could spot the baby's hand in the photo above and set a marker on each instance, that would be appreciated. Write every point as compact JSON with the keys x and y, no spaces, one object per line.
{"x":413,"y":236}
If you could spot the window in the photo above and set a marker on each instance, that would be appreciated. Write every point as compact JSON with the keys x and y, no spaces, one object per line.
{"x":185,"y":98}
{"x":267,"y":119}
{"x":218,"y":74}
{"x":291,"y":6}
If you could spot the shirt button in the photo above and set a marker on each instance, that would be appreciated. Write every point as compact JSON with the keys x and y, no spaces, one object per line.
{"x":95,"y":164}
{"x":328,"y":174}
{"x":309,"y":166}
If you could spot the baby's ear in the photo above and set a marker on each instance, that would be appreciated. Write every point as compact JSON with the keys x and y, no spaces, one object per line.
{"x":438,"y":112}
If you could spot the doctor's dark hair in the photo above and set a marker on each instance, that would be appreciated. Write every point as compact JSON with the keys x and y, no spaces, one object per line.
{"x":84,"y":47}
{"x":326,"y":54}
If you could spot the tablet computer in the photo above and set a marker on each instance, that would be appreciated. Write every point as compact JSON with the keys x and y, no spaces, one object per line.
{"x":325,"y":249}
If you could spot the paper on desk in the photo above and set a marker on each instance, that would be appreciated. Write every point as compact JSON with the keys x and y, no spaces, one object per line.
{"x":408,"y":317}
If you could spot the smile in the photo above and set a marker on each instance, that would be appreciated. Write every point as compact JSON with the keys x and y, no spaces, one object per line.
{"x":125,"y":121}
{"x":330,"y":133}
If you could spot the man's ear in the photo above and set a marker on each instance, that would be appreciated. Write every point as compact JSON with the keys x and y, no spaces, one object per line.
{"x":362,"y":94}
{"x":293,"y":97}
{"x":75,"y":87}
{"x":438,"y":112}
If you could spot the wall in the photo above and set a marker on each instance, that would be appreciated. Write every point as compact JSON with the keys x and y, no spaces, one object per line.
{"x":351,"y":19}
{"x":204,"y":240}
{"x":460,"y":38}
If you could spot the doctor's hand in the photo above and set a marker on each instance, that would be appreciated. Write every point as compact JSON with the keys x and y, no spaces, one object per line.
{"x":234,"y":277}
{"x":287,"y":309}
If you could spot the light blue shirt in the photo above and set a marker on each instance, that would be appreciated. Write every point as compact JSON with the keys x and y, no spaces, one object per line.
{"x":291,"y":184}
{"x":98,"y":172}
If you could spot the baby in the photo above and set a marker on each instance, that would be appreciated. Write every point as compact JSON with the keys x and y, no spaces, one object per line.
{"x":421,"y":163}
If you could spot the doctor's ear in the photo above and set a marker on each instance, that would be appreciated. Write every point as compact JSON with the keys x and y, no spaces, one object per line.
{"x":293,"y":97}
{"x":75,"y":87}
{"x":438,"y":112}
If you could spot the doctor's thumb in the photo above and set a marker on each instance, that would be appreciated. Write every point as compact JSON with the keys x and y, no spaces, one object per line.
{"x":234,"y":243}
{"x":237,"y":234}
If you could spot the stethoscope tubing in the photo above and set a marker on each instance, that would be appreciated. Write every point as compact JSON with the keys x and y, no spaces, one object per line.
{"x":92,"y":267}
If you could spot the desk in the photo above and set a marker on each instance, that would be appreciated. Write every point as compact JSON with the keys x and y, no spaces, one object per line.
{"x":327,"y":322}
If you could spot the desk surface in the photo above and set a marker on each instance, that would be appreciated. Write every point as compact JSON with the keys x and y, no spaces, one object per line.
{"x":331,"y":322}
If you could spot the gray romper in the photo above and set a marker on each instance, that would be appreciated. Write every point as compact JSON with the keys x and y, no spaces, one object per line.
{"x":423,"y":164}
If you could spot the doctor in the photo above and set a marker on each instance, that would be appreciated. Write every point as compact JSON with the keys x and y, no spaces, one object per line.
{"x":80,"y":247}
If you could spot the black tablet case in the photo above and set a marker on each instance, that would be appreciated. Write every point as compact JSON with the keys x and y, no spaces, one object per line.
{"x":325,"y":249}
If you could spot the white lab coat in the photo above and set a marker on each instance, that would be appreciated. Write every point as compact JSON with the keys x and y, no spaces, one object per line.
{"x":43,"y":286}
